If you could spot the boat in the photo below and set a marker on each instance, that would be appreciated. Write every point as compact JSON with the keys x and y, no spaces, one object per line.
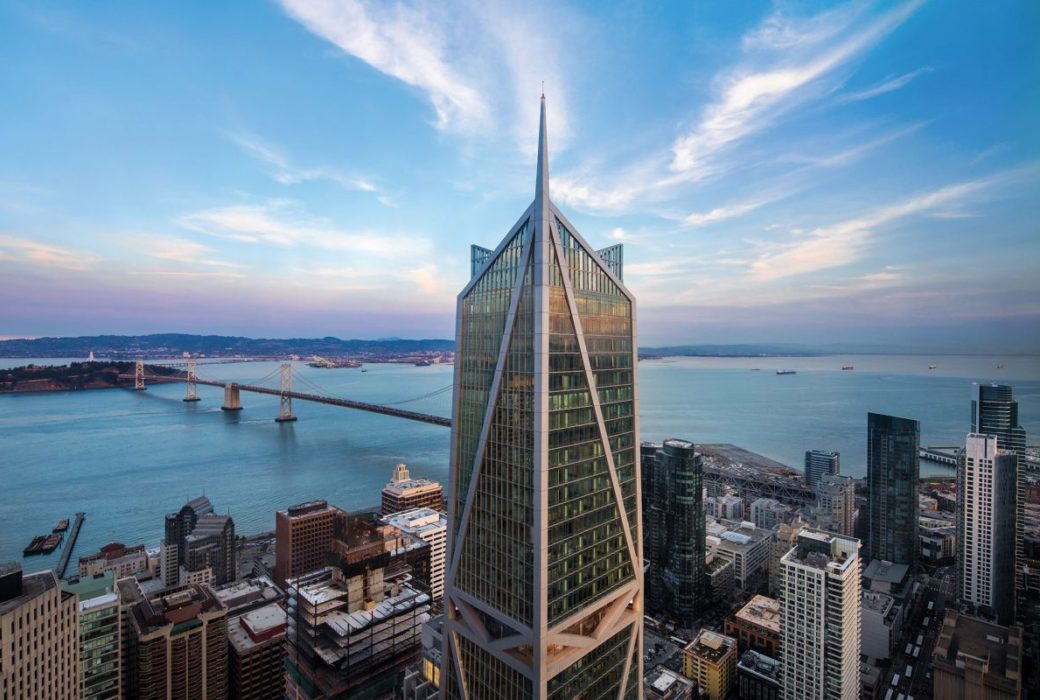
{"x":1000,"y":366}
{"x":364,"y":370}
{"x":755,"y":369}
{"x":847,"y":367}
{"x":786,"y":371}
{"x":62,"y":525}
{"x":931,"y":366}
{"x":423,"y":363}
{"x":42,"y":544}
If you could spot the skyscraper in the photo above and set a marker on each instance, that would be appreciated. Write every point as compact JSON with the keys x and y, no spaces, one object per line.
{"x":995,"y":412}
{"x":987,"y":478}
{"x":543,"y":595}
{"x":893,"y":468}
{"x":675,"y":519}
{"x":303,"y":538}
{"x":820,"y":618}
{"x":819,"y":463}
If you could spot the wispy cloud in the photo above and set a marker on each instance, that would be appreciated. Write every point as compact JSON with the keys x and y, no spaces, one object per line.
{"x":887,"y":85}
{"x":279,"y":224}
{"x":731,"y":210}
{"x":173,"y":249}
{"x":25,"y":250}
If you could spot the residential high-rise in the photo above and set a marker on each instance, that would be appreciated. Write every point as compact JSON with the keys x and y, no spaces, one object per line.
{"x":543,"y":595}
{"x":176,"y":644}
{"x":893,"y":469}
{"x":976,"y":660}
{"x":819,"y":463}
{"x":430,"y":526}
{"x":836,"y":504}
{"x":39,"y":636}
{"x":820,"y":618}
{"x":987,"y":479}
{"x":303,"y":538}
{"x":405,"y":493}
{"x":100,"y":638}
{"x":675,"y":530}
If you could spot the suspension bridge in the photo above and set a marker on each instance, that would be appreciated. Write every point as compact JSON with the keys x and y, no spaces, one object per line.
{"x":284,"y":390}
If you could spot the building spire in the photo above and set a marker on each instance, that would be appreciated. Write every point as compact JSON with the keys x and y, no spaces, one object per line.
{"x":541,"y":186}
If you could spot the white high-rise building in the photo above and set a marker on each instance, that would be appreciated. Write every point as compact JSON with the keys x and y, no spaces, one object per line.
{"x":430,"y":526}
{"x":987,"y":479}
{"x":820,"y":618}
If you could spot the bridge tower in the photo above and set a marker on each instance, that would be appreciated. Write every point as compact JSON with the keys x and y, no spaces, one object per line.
{"x":285,"y":415}
{"x":139,"y":375}
{"x":232,"y":399}
{"x":191,"y":389}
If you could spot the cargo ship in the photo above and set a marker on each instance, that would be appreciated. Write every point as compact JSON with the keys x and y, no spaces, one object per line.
{"x":62,"y":525}
{"x":786,"y":371}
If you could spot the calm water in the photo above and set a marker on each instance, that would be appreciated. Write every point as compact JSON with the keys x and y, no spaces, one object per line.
{"x":126,"y":458}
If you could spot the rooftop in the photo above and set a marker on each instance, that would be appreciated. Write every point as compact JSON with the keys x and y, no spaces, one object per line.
{"x":661,"y":679}
{"x":762,"y":611}
{"x":879,"y":570}
{"x":760,"y":665}
{"x":418,"y":520}
{"x":256,"y":626}
{"x":969,"y":642}
{"x":711,"y":646}
{"x":419,"y":484}
{"x":880,"y":603}
{"x":33,"y":585}
{"x":822,"y":550}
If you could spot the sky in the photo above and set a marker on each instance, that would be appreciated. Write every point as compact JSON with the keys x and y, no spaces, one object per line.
{"x":862,"y":173}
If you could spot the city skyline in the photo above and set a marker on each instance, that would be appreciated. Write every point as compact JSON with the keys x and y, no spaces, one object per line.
{"x":267,"y":184}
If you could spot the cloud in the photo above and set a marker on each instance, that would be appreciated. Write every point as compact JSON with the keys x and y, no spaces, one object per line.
{"x":173,"y":249}
{"x":731,"y":211}
{"x":275,"y":223}
{"x":888,"y":85}
{"x":25,"y":250}
{"x":841,"y":243}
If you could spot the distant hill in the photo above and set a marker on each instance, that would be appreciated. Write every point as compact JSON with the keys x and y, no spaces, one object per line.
{"x":744,"y":350}
{"x":172,"y":344}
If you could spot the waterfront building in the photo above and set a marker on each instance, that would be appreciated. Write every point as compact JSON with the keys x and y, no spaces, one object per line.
{"x":303,"y":538}
{"x":710,"y":660}
{"x":893,"y":469}
{"x":210,"y":547}
{"x":175,"y":644}
{"x":756,"y":626}
{"x":836,"y":504}
{"x":178,"y":526}
{"x":748,"y":547}
{"x":882,"y":622}
{"x":405,"y":493}
{"x":767,"y":513}
{"x":256,"y":654}
{"x":820,"y":618}
{"x":100,"y":636}
{"x":987,"y":483}
{"x":39,"y":636}
{"x":350,"y":629}
{"x":819,"y":463}
{"x":758,"y":677}
{"x":675,"y":528}
{"x":543,"y":595}
{"x":430,"y":526}
{"x":116,"y":558}
{"x":977,"y":660}
{"x":663,"y":684}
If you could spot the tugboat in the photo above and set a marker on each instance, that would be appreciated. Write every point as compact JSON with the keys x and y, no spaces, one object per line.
{"x":786,"y":371}
{"x":931,"y":366}
{"x":846,"y":368}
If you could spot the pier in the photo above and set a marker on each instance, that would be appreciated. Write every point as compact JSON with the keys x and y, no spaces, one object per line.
{"x":941,"y":455}
{"x":66,"y":553}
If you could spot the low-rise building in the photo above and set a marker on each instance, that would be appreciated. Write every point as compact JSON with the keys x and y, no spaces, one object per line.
{"x":893,"y":579}
{"x":748,"y":547}
{"x":758,"y":677}
{"x":882,"y":623}
{"x":977,"y":660}
{"x":719,"y":574}
{"x":116,"y":557}
{"x":756,"y":626}
{"x":767,"y":513}
{"x":710,"y":660}
{"x":662,"y":684}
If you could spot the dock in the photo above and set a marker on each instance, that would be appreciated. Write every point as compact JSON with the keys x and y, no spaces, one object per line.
{"x":66,"y":554}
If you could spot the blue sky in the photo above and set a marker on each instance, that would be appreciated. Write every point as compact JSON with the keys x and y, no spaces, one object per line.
{"x":778,"y":171}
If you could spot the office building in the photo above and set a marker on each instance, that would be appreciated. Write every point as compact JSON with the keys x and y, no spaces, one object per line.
{"x":758,"y":677}
{"x":675,"y":530}
{"x":663,"y":684}
{"x":892,"y":474}
{"x":756,"y":626}
{"x":767,"y":513}
{"x":176,"y":644}
{"x":303,"y":538}
{"x":543,"y":595}
{"x":820,"y":618}
{"x":747,"y":546}
{"x":987,"y":484}
{"x":199,"y":546}
{"x":430,"y":526}
{"x":256,"y":653}
{"x":178,"y":526}
{"x":117,"y":558}
{"x":994,"y":411}
{"x":39,"y":636}
{"x":818,"y":464}
{"x":977,"y":660}
{"x":836,"y":504}
{"x":882,"y":621}
{"x":350,"y":629}
{"x":718,"y":573}
{"x":100,"y":636}
{"x":405,"y":493}
{"x":710,"y":660}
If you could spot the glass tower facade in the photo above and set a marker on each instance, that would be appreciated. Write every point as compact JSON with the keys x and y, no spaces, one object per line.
{"x":893,"y":469}
{"x":543,"y":594}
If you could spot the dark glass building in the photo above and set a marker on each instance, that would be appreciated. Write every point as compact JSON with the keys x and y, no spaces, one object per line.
{"x":544,"y":592}
{"x":819,"y":464}
{"x":995,"y":412}
{"x":893,"y":469}
{"x":675,"y":530}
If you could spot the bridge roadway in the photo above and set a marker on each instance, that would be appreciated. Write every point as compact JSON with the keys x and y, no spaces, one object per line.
{"x":317,"y":398}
